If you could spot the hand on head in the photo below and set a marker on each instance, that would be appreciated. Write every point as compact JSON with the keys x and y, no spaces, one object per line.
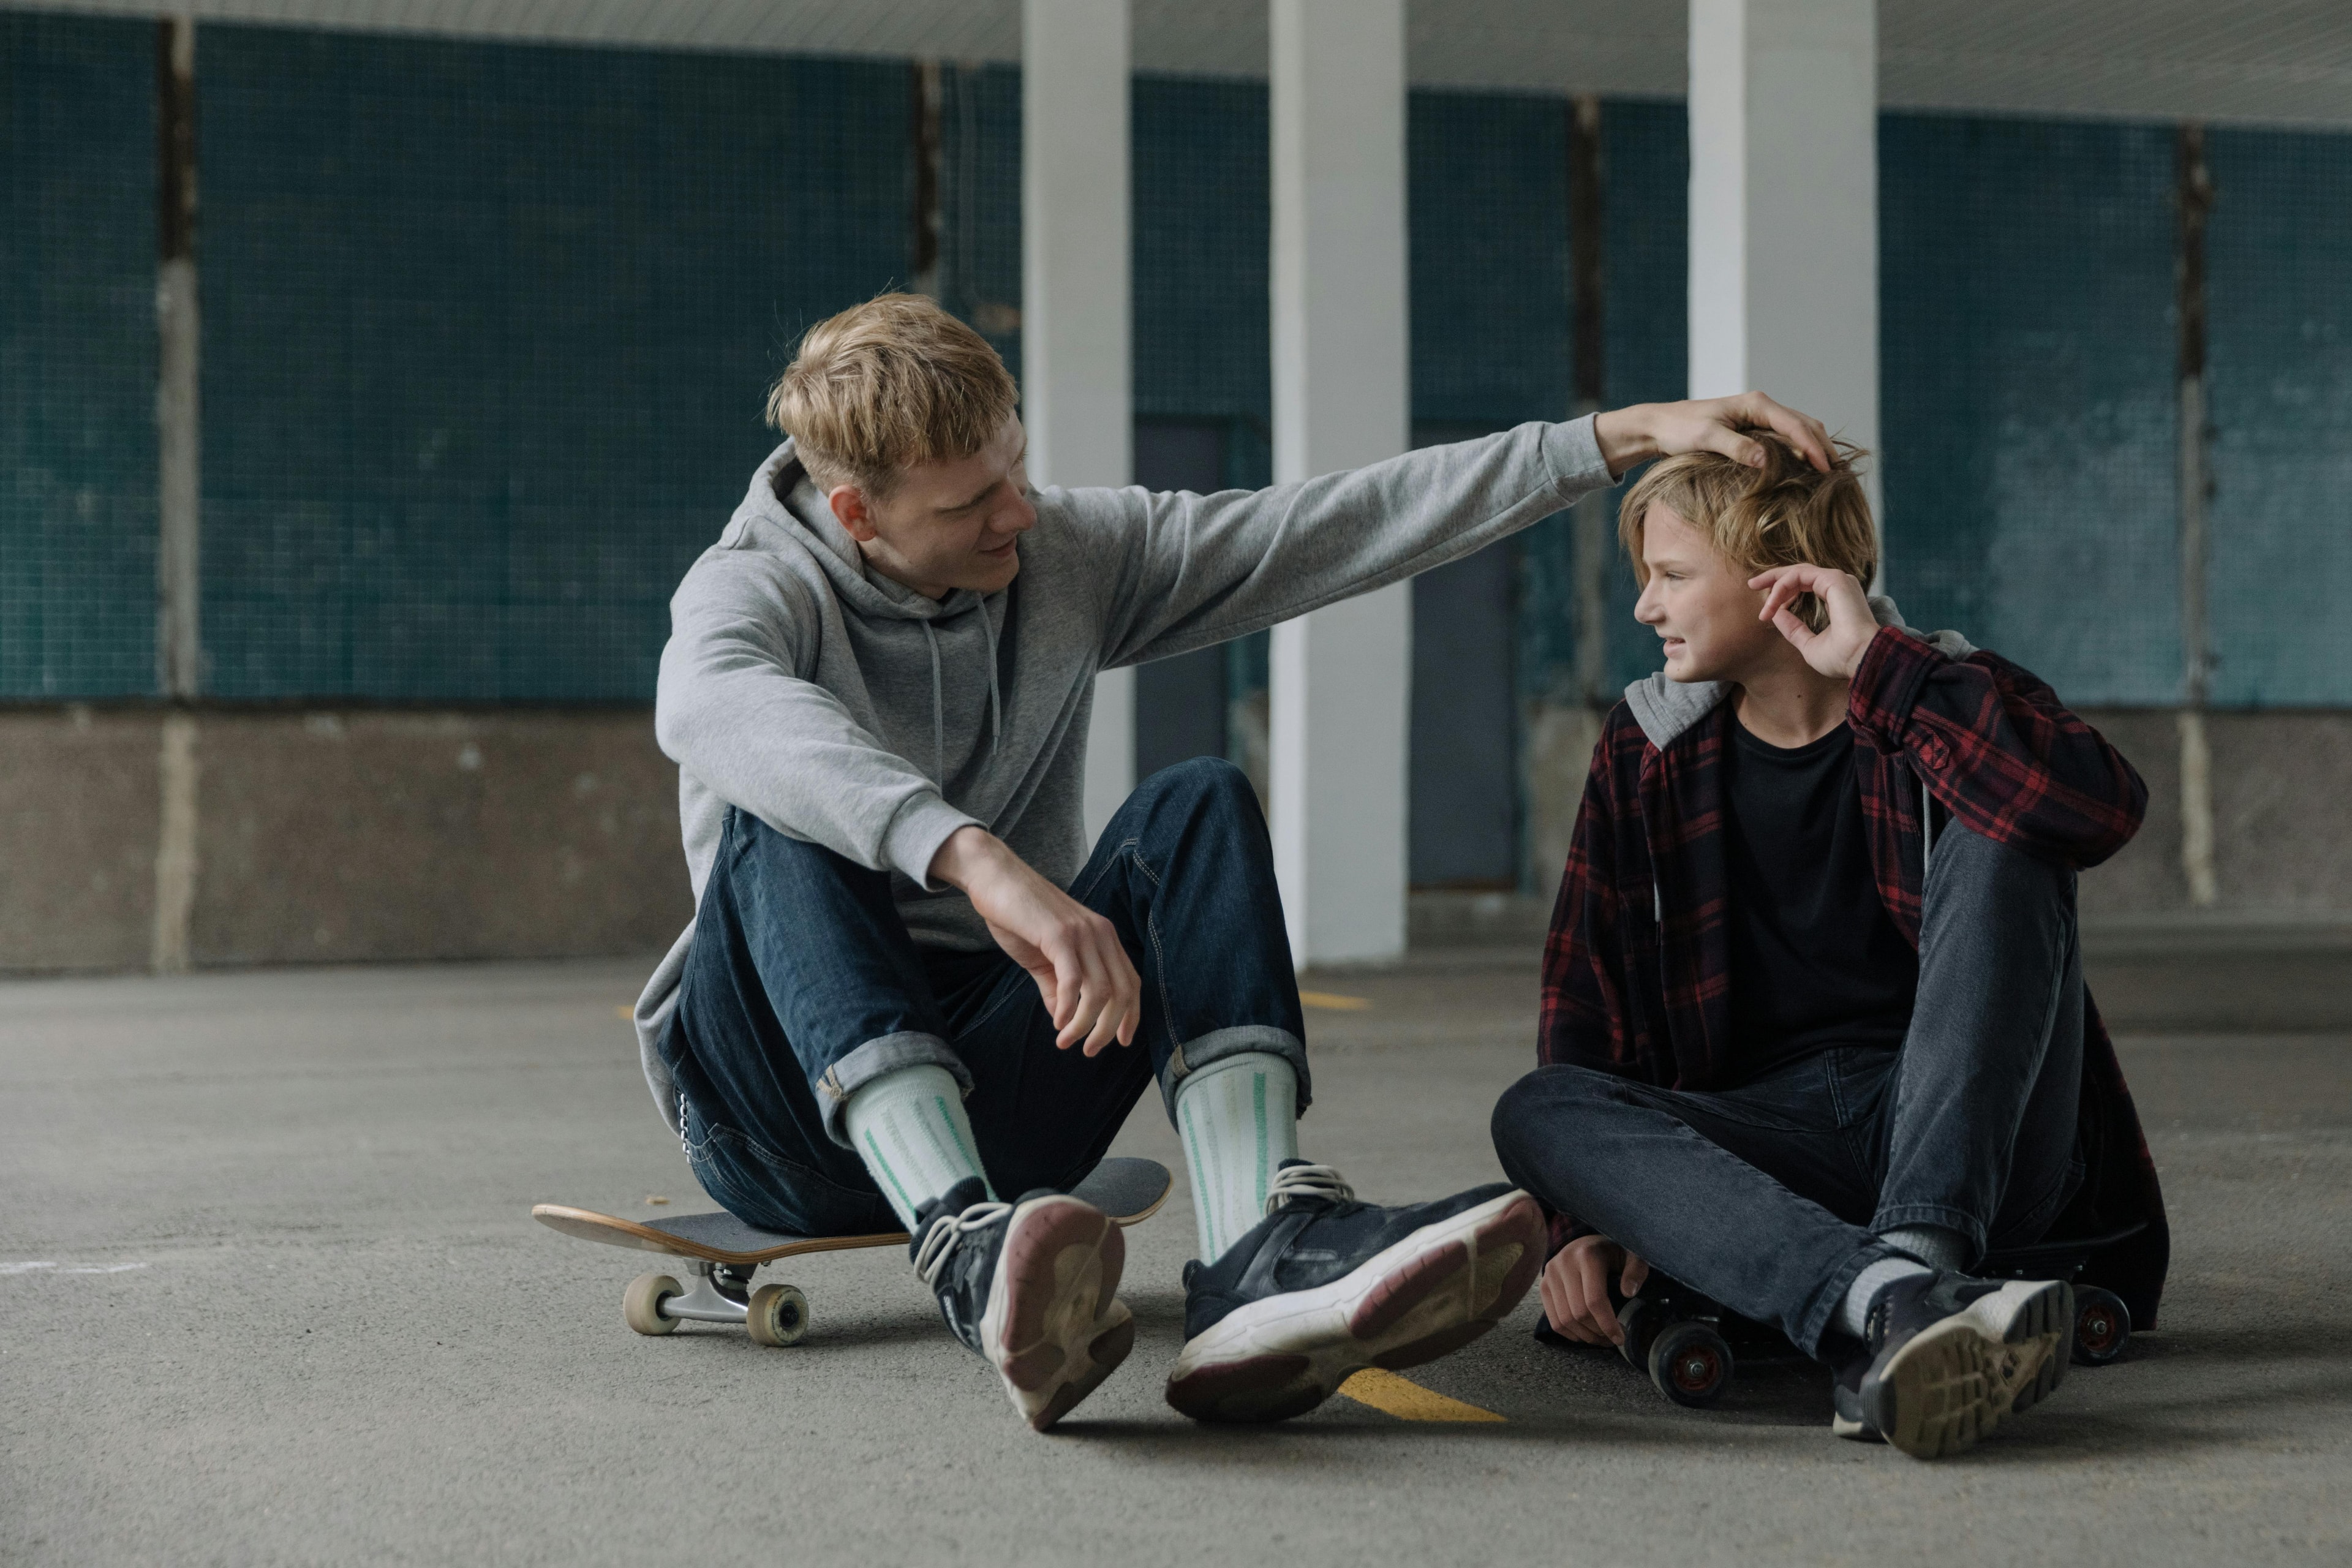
{"x":1647,"y":430}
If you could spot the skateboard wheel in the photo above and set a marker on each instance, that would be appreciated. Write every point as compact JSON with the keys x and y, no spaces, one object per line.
{"x":642,"y":1303}
{"x":778,"y":1315}
{"x":2102,"y":1326}
{"x":1691,"y":1365}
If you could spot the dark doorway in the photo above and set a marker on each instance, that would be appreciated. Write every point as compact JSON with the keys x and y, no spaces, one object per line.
{"x":1180,"y":703}
{"x":1465,"y":796}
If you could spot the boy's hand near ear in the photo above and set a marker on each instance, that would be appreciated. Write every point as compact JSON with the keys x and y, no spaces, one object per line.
{"x":1837,"y":648}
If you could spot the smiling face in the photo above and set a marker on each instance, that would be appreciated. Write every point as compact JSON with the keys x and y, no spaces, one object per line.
{"x":1700,"y":604}
{"x":949,"y":523}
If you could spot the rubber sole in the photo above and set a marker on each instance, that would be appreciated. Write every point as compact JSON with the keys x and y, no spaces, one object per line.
{"x":1959,"y":1379}
{"x":1427,"y":1295}
{"x":1055,"y":1326}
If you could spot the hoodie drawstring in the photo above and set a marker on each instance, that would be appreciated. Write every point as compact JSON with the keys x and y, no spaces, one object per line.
{"x":995,"y":709}
{"x":939,"y":714}
{"x":939,"y":701}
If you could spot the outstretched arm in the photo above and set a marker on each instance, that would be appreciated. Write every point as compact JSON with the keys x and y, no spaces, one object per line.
{"x":1177,"y":571}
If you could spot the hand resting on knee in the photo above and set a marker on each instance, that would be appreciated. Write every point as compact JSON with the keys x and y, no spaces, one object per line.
{"x":1089,"y":984}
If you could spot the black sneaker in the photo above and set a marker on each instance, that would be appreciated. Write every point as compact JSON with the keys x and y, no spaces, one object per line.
{"x":1032,"y":1287}
{"x":1948,"y":1358}
{"x":1327,"y":1286}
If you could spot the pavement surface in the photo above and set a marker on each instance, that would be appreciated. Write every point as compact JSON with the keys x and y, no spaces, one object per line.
{"x":269,"y":1293}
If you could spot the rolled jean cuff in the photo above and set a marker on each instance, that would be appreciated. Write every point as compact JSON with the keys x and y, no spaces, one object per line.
{"x":1959,"y":1222}
{"x":1240,"y":1039}
{"x":1823,"y":1312}
{"x":877,"y":1057}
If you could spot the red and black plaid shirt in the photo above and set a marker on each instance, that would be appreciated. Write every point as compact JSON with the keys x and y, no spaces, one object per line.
{"x":1637,"y":967}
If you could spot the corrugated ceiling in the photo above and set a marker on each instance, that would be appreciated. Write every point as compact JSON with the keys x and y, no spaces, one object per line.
{"x":2282,"y":61}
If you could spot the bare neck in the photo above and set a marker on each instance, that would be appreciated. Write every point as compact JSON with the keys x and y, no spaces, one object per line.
{"x":1786,"y":702}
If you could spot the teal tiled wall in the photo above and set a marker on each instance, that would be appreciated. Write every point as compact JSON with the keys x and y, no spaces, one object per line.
{"x":2280,"y":379}
{"x":2028,"y":394}
{"x":489,"y":329}
{"x":77,"y":357}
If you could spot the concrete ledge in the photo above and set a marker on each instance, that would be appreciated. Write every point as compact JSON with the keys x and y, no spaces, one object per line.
{"x":78,"y":819}
{"x":343,"y":836}
{"x":1443,"y":920}
{"x":359,"y":836}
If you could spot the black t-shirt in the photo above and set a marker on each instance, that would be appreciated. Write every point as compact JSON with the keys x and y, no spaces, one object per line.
{"x":1815,"y":962}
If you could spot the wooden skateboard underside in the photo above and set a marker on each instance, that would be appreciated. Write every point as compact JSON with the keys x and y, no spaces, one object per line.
{"x":1128,"y":1190}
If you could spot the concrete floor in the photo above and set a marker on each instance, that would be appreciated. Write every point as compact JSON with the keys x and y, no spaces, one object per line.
{"x":270,"y":1294}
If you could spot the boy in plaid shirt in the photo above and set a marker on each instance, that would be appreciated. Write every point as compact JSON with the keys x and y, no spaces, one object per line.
{"x":1815,"y":1032}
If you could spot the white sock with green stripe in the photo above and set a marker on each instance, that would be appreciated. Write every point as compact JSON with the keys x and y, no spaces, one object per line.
{"x":1239,"y":1121}
{"x":909,"y":1128}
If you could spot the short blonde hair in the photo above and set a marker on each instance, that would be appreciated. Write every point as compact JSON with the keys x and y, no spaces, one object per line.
{"x":1785,"y":513}
{"x":887,"y":385}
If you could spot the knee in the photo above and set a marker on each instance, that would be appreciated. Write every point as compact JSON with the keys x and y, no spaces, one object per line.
{"x":1965,"y":863}
{"x":778,"y":860}
{"x":1528,"y":1115}
{"x":1197,"y":782}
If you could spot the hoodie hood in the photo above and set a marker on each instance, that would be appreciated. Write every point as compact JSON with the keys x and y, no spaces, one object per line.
{"x":1666,"y":708}
{"x":783,"y":502}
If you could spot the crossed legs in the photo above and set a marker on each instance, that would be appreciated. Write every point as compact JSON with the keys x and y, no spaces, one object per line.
{"x":1774,"y":1195}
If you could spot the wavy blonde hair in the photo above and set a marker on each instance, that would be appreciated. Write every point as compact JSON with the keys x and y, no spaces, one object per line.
{"x":887,"y":385}
{"x":1785,"y":513}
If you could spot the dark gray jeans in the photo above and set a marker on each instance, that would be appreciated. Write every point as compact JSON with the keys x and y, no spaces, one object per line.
{"x":1770,"y":1196}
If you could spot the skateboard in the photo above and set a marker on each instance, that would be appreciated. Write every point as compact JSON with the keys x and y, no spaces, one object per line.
{"x":724,"y":1253}
{"x":1689,"y":1345}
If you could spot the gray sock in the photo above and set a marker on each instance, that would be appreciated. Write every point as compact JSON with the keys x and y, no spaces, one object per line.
{"x":1931,"y":1245}
{"x":1856,"y":1306}
{"x":1932,"y":1248}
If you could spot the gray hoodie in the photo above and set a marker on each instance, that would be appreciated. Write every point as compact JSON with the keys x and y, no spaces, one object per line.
{"x":842,"y":709}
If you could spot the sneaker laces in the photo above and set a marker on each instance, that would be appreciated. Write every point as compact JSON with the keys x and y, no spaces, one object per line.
{"x":931,"y":1258}
{"x":1305,"y":1181}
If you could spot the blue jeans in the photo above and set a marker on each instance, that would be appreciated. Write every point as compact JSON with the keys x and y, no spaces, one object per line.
{"x":803,"y":984}
{"x":1769,"y":1197}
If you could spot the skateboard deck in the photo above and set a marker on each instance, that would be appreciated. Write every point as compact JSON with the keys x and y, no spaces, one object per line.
{"x":1128,"y":1190}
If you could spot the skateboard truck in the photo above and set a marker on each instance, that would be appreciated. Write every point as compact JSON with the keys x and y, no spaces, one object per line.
{"x":721,"y":1294}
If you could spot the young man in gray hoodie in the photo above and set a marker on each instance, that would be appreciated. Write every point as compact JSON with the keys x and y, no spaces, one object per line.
{"x":911,"y":997}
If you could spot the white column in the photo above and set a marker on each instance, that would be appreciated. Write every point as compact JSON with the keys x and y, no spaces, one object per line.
{"x":1077,"y":378}
{"x":1341,"y":677}
{"x":1784,"y":207}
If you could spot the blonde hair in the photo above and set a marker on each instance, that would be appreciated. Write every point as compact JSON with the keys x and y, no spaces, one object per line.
{"x":887,"y":385}
{"x":1785,"y":513}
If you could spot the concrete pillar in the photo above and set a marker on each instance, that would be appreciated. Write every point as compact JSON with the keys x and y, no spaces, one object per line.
{"x":1784,"y":207}
{"x":1077,"y":374}
{"x":1341,"y":677}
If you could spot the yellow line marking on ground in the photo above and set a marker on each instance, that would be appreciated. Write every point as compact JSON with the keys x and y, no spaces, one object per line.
{"x":1407,"y":1400}
{"x":1331,"y":1001}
